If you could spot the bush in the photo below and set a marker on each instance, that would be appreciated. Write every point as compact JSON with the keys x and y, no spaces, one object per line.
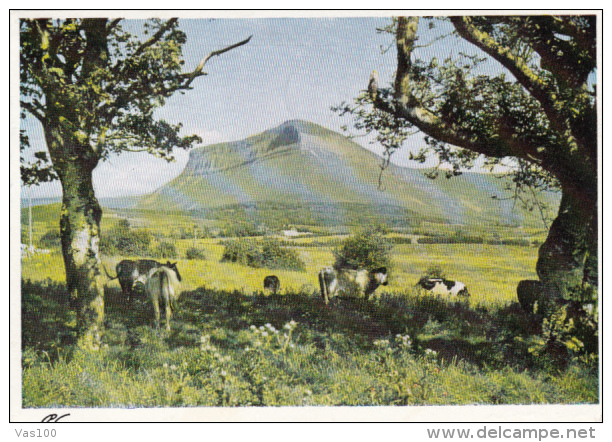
{"x":242,"y":251}
{"x":365,"y":250}
{"x":516,"y":242}
{"x":269,"y":253}
{"x":435,"y":272}
{"x":51,"y":239}
{"x":165,"y":249}
{"x":457,"y":238}
{"x":123,"y":240}
{"x":277,"y":256}
{"x":195,"y":253}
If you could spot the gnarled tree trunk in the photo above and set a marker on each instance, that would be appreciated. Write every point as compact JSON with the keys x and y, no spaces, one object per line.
{"x":80,"y":232}
{"x":567,"y":261}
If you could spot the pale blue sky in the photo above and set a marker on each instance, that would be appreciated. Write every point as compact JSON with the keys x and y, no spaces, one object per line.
{"x":291,"y":69}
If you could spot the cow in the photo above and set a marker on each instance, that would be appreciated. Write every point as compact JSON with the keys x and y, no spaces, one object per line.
{"x":162,"y":285}
{"x":441,"y":286}
{"x":351,"y":282}
{"x":528,"y":293}
{"x":132,"y":273}
{"x":272,"y":283}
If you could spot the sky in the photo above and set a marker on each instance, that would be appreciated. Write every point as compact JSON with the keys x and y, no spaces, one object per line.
{"x":293,"y":68}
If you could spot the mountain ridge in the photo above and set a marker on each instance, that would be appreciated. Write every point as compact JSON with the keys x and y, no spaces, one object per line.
{"x":304,"y":163}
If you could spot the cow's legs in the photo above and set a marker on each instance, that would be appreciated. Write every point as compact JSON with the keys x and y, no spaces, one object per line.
{"x":156,"y":309}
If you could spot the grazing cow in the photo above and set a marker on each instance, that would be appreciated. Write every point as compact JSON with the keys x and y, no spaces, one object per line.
{"x":272,"y":283}
{"x":131,"y":273}
{"x":162,"y":285}
{"x":528,"y":293}
{"x":440,"y":286}
{"x":355,"y":283}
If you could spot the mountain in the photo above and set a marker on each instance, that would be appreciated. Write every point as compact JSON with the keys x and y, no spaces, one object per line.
{"x":303,"y":164}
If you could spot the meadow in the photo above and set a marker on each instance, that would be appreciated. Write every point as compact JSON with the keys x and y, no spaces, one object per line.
{"x":231,"y":344}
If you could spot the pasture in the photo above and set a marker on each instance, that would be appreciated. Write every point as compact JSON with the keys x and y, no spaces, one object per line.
{"x":233,"y":345}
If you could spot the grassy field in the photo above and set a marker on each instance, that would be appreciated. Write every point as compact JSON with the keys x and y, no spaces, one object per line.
{"x":233,"y":345}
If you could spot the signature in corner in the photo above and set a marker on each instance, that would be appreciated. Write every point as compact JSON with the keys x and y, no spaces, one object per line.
{"x":51,"y":418}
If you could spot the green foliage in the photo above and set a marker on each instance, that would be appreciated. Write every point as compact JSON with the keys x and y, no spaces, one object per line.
{"x":164,"y":249}
{"x":195,"y":253}
{"x":459,"y":237}
{"x":270,"y":253}
{"x":50,"y":240}
{"x":434,"y":271}
{"x":124,"y":240}
{"x":364,"y":250}
{"x":570,"y":332}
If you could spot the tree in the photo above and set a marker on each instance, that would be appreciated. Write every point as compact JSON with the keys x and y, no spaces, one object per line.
{"x":94,"y":87}
{"x":538,"y":110}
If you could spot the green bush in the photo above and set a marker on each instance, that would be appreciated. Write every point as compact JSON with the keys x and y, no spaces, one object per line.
{"x":123,"y":240}
{"x":365,"y":250}
{"x":269,"y":253}
{"x":51,"y":239}
{"x":165,"y":249}
{"x":435,"y":271}
{"x":457,"y":238}
{"x":277,"y":256}
{"x":242,"y":251}
{"x":195,"y":253}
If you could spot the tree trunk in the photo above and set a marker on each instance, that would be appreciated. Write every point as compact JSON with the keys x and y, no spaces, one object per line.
{"x":80,"y":233}
{"x":567,"y":261}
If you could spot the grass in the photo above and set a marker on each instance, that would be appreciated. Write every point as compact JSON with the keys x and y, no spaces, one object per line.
{"x":234,"y":349}
{"x":346,"y":354}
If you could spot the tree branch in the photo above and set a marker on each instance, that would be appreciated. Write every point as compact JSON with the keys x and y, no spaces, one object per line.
{"x":407,"y":106}
{"x":155,"y":37}
{"x":198,"y":70}
{"x":33,"y":110}
{"x":524,"y":75}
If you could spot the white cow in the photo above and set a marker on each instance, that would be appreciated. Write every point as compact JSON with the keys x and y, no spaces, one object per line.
{"x":162,"y":285}
{"x":350,"y":282}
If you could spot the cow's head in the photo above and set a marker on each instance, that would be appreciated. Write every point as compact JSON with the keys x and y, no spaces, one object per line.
{"x":172,"y":266}
{"x":380,"y":275}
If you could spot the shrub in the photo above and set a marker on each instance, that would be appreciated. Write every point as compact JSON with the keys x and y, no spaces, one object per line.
{"x":457,"y":238}
{"x":195,"y":253}
{"x":277,"y":256}
{"x":270,"y":253}
{"x":242,"y":251}
{"x":51,"y":239}
{"x":434,"y":271}
{"x":165,"y":249}
{"x":516,"y":242}
{"x":365,"y":250}
{"x":123,"y":240}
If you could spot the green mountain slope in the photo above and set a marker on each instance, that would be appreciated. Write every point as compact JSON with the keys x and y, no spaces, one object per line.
{"x":301,"y":163}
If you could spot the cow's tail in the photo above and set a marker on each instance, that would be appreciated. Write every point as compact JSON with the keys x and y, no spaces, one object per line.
{"x":166,"y":289}
{"x":108,"y":274}
{"x":324,"y":288}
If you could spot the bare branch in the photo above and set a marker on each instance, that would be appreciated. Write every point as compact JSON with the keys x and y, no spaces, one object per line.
{"x":198,"y":70}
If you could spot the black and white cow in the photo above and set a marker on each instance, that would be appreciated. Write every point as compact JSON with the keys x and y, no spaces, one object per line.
{"x":440,"y":286}
{"x":272,"y":283}
{"x":133,"y":273}
{"x":353,"y":283}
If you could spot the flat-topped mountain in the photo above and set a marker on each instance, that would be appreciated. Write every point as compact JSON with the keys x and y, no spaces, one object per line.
{"x":305,"y":164}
